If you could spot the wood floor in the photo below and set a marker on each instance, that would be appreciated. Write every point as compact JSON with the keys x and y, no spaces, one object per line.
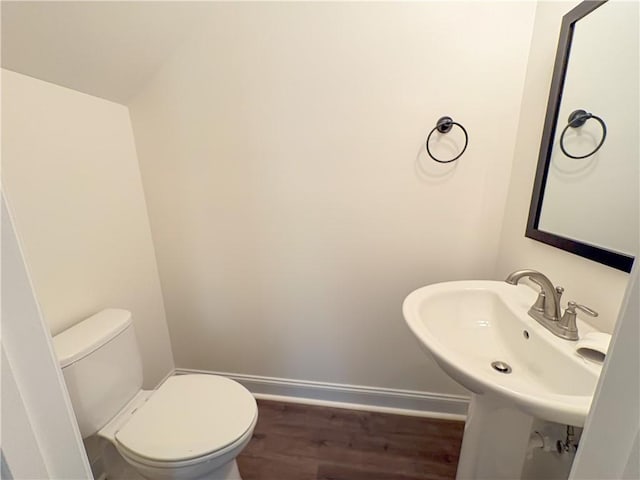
{"x":302,"y":442}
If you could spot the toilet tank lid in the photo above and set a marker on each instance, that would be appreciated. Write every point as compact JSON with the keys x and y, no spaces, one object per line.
{"x":85,"y":337}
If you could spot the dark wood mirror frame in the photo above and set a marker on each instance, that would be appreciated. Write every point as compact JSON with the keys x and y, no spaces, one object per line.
{"x":598,"y":254}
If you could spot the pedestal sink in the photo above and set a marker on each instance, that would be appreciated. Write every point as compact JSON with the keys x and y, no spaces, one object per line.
{"x":481,"y":336}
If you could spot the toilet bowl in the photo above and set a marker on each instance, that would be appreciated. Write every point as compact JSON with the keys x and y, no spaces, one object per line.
{"x":192,"y":427}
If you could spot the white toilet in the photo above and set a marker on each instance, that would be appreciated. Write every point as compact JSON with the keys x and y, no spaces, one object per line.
{"x":191,"y":427}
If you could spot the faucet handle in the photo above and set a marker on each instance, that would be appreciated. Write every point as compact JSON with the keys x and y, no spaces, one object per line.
{"x":568,"y":320}
{"x":584,"y":308}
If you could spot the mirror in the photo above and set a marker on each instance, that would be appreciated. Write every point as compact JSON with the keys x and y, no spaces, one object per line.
{"x":586,"y":194}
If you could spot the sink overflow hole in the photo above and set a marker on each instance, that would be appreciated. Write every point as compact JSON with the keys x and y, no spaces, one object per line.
{"x":525,"y":334}
{"x":501,"y":367}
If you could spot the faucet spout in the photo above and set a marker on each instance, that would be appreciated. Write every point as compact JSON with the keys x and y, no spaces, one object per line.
{"x":552,"y":301}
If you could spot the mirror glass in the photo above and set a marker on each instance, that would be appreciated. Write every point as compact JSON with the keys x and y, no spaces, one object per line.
{"x":586,"y":196}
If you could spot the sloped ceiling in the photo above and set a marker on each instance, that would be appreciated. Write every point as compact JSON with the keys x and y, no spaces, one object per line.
{"x":106,"y":49}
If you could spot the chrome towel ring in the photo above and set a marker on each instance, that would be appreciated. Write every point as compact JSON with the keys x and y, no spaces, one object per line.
{"x":577,"y":119}
{"x":444,"y":125}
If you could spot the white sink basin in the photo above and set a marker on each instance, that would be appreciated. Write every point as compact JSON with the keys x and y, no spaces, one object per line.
{"x":470,"y":324}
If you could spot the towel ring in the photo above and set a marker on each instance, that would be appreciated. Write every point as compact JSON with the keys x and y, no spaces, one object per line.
{"x":444,"y":125}
{"x":577,"y":119}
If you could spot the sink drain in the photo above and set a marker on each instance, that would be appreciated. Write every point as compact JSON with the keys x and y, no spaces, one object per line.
{"x":501,"y":367}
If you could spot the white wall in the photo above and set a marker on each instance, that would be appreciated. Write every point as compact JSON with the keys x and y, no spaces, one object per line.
{"x":40,"y":437}
{"x":291,"y":202}
{"x":585,"y":281}
{"x":71,"y":175}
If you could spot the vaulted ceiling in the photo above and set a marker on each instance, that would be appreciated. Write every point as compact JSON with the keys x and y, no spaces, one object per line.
{"x":107,"y":49}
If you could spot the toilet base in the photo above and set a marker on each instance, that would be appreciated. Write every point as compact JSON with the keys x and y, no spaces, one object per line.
{"x":116,"y":467}
{"x":228,"y":471}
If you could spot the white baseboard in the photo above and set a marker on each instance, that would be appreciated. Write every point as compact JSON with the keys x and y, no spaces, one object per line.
{"x":403,"y":402}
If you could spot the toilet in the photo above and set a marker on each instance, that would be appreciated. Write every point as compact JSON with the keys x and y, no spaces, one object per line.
{"x":191,"y":427}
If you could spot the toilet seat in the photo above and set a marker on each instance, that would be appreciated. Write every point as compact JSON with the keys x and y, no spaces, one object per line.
{"x":188,"y":419}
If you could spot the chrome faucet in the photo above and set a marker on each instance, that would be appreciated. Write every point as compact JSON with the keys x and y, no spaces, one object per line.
{"x":546,"y":309}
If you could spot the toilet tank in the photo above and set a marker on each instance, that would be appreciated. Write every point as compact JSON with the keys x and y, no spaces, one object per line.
{"x":101,"y":366}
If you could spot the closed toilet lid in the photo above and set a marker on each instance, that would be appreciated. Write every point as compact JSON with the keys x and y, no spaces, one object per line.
{"x":189,"y":416}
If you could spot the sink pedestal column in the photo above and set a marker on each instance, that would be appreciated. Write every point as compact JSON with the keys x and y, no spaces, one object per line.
{"x":495,"y":441}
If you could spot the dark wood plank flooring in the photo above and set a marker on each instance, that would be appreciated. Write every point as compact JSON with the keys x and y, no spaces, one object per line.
{"x":302,"y":442}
